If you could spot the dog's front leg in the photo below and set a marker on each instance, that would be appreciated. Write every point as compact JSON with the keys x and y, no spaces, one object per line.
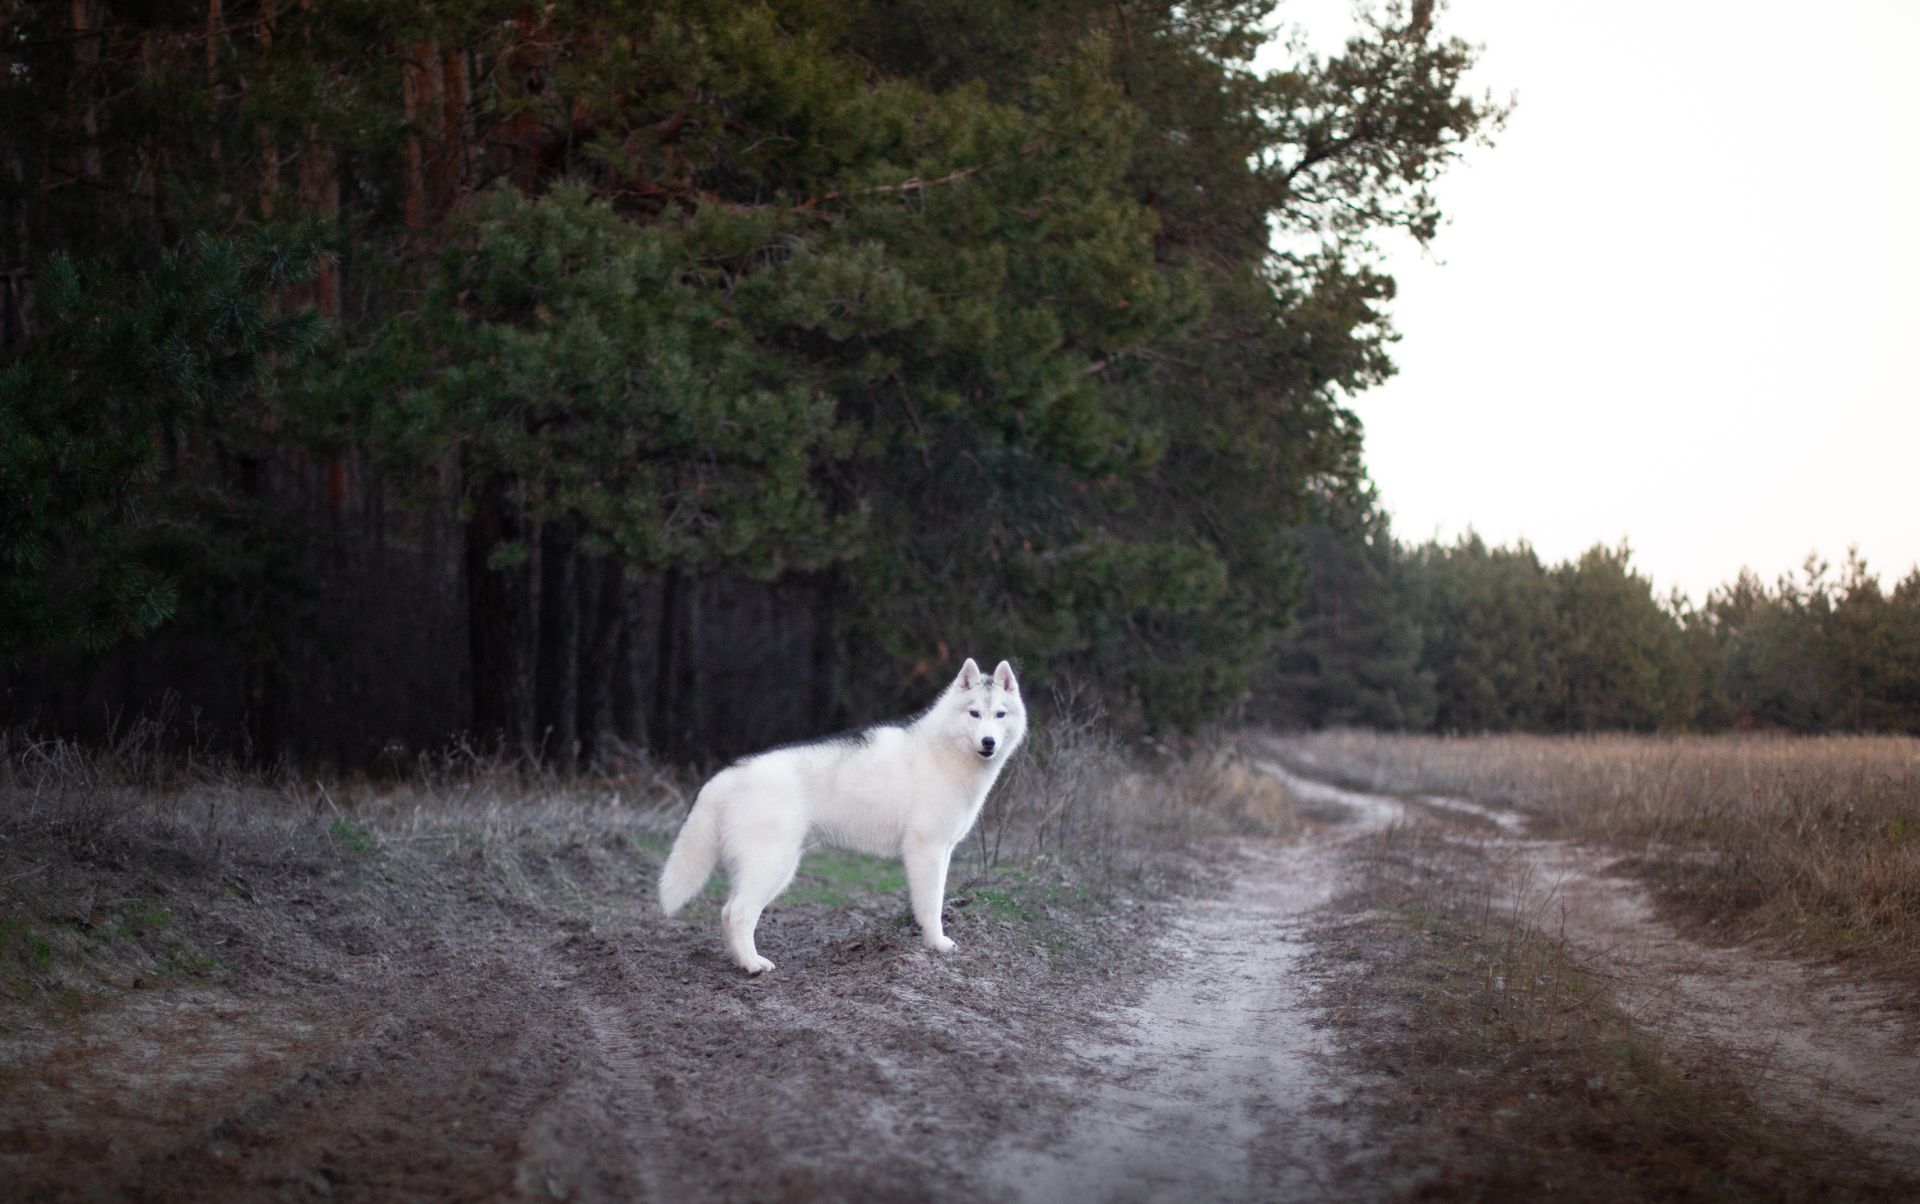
{"x":926,"y":862}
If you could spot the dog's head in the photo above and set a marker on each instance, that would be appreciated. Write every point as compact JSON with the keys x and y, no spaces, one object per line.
{"x":988,"y":710}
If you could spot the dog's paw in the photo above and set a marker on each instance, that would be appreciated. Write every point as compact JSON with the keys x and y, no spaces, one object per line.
{"x":759,"y":965}
{"x":940,"y":944}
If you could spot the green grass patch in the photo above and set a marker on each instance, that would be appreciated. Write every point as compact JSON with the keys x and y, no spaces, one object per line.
{"x":1001,"y":903}
{"x":52,"y":955}
{"x":656,"y":844}
{"x":837,"y":878}
{"x":352,"y":837}
{"x":1043,"y":909}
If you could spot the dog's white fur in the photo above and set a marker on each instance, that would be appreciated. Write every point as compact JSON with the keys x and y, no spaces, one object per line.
{"x":910,"y":790}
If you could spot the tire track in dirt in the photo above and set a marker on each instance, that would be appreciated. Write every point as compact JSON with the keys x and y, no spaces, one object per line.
{"x":1807,"y":1041}
{"x":1220,"y":1084}
{"x":598,"y":1136}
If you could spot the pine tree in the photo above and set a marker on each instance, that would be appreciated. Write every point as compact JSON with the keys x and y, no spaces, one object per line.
{"x":1621,"y":660}
{"x":128,"y":376}
{"x":968,"y":337}
{"x":1491,"y":626}
{"x":1353,"y":655}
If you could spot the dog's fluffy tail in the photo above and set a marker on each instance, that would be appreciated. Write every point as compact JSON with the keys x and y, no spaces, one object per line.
{"x":695,"y":852}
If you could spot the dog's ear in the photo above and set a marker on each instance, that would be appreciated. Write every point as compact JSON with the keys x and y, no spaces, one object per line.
{"x":1003,"y":677}
{"x":969,"y":675}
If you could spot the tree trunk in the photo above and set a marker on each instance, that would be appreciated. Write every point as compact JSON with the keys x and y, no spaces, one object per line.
{"x":269,"y":150}
{"x":629,"y":700}
{"x":502,"y":617}
{"x":559,"y":650}
{"x":455,"y":68}
{"x":829,"y":658}
{"x":85,"y":25}
{"x":693,"y":666}
{"x":600,"y":657}
{"x":679,"y":681}
{"x":664,"y":728}
{"x":420,"y":102}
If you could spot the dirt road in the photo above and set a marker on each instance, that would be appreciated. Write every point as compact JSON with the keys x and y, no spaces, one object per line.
{"x":1808,"y":1041}
{"x":1812,"y":1044}
{"x":1221,"y":1083}
{"x":413,"y":1018}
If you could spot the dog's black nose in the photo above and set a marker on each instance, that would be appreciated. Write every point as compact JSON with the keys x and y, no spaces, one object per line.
{"x":986,"y":742}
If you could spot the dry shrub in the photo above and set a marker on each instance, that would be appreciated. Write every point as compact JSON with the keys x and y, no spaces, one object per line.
{"x":1219,"y":788}
{"x":1813,"y":838}
{"x":1078,"y":792}
{"x":1518,"y":970}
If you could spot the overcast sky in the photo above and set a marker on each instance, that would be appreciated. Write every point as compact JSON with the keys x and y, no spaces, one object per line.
{"x":1678,"y":301}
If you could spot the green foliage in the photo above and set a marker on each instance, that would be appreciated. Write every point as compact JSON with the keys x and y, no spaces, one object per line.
{"x":1621,"y":652}
{"x":1353,"y":656}
{"x":592,"y":363}
{"x":1506,"y":643}
{"x":1817,"y":654}
{"x":130,"y":375}
{"x":352,"y":837}
{"x":1491,"y":623}
{"x":1002,"y":324}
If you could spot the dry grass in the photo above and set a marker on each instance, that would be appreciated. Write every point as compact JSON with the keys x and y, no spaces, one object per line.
{"x":1813,"y":839}
{"x":93,"y":838}
{"x":99,"y":798}
{"x":1078,"y":793}
{"x":110,"y":855}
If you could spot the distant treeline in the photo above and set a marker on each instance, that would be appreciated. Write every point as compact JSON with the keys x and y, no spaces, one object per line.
{"x":681,"y":374}
{"x":1464,"y":637}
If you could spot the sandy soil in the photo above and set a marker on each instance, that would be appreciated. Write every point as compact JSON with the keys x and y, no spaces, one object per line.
{"x":489,"y":1046}
{"x":514,"y":1021}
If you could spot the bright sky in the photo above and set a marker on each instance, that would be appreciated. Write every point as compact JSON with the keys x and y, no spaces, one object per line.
{"x":1678,"y":301}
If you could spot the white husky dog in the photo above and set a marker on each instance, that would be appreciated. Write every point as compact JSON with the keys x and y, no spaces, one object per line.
{"x":909,"y":789}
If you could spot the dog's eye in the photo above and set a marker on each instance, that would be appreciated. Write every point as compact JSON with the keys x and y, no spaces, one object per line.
{"x":999,"y":714}
{"x":975,"y":714}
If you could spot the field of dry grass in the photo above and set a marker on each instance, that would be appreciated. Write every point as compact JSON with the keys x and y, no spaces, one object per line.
{"x":1810,"y":840}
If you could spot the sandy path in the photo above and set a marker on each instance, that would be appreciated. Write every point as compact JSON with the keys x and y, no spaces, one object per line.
{"x":1805,"y":1040}
{"x":1219,"y":1084}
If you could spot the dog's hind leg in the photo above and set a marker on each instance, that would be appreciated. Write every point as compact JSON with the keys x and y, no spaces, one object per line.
{"x":757,"y":879}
